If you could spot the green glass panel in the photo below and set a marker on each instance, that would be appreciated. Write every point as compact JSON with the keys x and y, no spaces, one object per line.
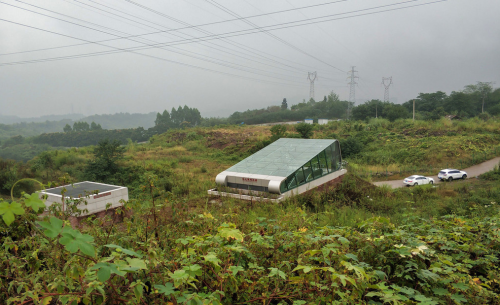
{"x":291,"y":182}
{"x":300,"y":175}
{"x":337,"y":158}
{"x":316,"y":167}
{"x":282,"y":157}
{"x":283,"y":187}
{"x":331,"y":158}
{"x":323,"y":163}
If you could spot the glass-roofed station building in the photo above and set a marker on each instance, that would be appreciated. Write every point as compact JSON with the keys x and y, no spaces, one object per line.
{"x":286,"y":167}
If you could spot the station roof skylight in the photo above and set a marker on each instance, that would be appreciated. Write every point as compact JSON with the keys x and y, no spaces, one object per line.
{"x":282,"y":157}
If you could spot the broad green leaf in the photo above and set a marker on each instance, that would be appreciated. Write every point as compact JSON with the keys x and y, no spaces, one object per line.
{"x":235,"y":269}
{"x":8,"y":210}
{"x":343,"y":240}
{"x":440,"y":291}
{"x":212,"y":258}
{"x":460,"y":286}
{"x":52,"y":227}
{"x":351,"y":256}
{"x":229,"y":231}
{"x":33,"y":201}
{"x":105,"y":270}
{"x":73,"y":241}
{"x":276,"y":272}
{"x":193,"y":270}
{"x":458,"y":298}
{"x":166,"y":289}
{"x":134,"y":264}
{"x":126,"y":251}
{"x":299,"y":302}
{"x":306,"y":269}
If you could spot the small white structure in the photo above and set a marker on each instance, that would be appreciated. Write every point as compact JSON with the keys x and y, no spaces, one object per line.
{"x":97,"y":195}
{"x":309,"y":121}
{"x":322,"y":121}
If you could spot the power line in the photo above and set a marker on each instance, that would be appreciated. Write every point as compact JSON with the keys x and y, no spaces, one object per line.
{"x":171,"y":30}
{"x":211,"y":60}
{"x":125,"y":50}
{"x":228,"y":34}
{"x":239,"y":33}
{"x":213,"y":2}
{"x":246,"y":48}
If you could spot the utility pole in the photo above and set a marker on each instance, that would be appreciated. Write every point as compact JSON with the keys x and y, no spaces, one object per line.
{"x":413,"y":110}
{"x":311,"y":76}
{"x":387,"y":82}
{"x":352,"y":93}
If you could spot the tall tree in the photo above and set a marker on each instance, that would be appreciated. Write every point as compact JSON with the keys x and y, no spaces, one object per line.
{"x":67,"y":128}
{"x":284,"y":104}
{"x":104,"y":164}
{"x":481,"y":90}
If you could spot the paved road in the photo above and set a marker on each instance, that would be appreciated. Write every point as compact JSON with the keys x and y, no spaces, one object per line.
{"x":472,"y":171}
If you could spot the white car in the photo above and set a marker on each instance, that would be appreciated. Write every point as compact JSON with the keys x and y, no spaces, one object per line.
{"x":418,"y":180}
{"x":451,"y":174}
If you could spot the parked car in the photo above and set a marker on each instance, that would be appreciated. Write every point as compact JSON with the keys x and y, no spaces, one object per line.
{"x":418,"y":180}
{"x":451,"y":174}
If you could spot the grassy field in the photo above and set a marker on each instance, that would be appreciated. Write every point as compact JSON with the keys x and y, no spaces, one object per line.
{"x":352,"y":244}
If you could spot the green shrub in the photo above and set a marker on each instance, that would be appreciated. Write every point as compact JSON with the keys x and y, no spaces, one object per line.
{"x":350,"y":147}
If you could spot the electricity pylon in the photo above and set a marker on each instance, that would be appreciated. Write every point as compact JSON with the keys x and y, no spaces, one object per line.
{"x":352,"y":93}
{"x":387,"y":82}
{"x":311,"y":76}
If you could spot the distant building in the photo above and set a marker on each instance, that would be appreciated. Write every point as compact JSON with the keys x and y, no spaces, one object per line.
{"x":284,"y":168}
{"x":452,"y":117}
{"x":322,"y":121}
{"x":309,"y":121}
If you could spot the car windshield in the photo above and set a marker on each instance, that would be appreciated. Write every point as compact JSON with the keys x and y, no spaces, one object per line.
{"x":412,"y":177}
{"x":442,"y":172}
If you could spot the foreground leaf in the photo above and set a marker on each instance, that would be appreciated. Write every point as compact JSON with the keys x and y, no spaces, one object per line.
{"x":8,"y":210}
{"x":73,"y":241}
{"x":33,"y":201}
{"x":105,"y":270}
{"x":52,"y":227}
{"x":166,"y":289}
{"x":126,"y":251}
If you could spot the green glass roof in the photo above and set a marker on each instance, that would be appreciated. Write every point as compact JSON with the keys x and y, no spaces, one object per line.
{"x":281,"y":158}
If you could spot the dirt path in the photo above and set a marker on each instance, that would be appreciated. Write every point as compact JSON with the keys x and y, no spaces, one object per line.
{"x":472,"y":172}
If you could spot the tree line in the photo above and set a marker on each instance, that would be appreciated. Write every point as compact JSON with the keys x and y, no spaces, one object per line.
{"x":473,"y":100}
{"x":330,"y":107}
{"x":177,"y":118}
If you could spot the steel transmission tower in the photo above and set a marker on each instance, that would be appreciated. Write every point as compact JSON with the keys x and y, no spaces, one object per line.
{"x":311,"y":76}
{"x":352,"y":93}
{"x":387,"y":82}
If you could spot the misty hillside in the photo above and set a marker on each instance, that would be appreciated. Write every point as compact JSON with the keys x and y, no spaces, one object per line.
{"x":42,"y":124}
{"x":13,"y":119}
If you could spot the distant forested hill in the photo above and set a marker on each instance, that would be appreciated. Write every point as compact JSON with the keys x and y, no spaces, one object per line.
{"x":122,"y":120}
{"x":12,"y":119}
{"x":29,"y":127}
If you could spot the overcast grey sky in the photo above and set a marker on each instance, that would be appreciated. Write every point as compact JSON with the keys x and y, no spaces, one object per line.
{"x":440,"y":46}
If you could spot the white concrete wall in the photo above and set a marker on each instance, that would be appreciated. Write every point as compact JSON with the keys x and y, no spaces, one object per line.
{"x":322,"y":121}
{"x":94,"y":205}
{"x":309,"y":121}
